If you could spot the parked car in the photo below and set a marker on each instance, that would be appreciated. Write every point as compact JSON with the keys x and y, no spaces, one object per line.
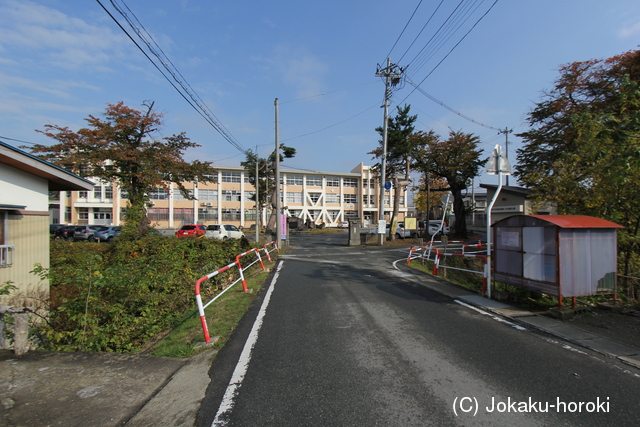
{"x":434,"y":227}
{"x":196,"y":230}
{"x":401,"y":233}
{"x":223,"y":232}
{"x":343,"y":224}
{"x":55,"y":227}
{"x":107,"y":234}
{"x":85,"y":232}
{"x":65,"y":232}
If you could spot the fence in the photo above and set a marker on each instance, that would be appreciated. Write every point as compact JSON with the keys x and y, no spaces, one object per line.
{"x":484,"y":273}
{"x":425,"y":252}
{"x":236,"y":263}
{"x":458,"y":245}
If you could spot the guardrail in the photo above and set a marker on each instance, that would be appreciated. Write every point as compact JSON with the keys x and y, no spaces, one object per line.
{"x":424,"y":252}
{"x":485,"y":272}
{"x":266,"y":250}
{"x":428,"y":249}
{"x":236,"y":263}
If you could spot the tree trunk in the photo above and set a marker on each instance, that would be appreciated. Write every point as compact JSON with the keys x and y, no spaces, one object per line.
{"x":460,"y":213}
{"x":271,"y":224}
{"x":396,"y":209}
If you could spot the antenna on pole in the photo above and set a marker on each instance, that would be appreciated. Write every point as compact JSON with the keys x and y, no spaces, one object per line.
{"x":506,"y":132}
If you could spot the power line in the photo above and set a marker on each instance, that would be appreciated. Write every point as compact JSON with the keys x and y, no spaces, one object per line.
{"x":450,"y":51}
{"x":405,"y":27}
{"x":423,"y":28}
{"x":17,"y":140}
{"x":449,"y":28}
{"x":327,"y":93}
{"x":187,"y":92}
{"x":437,"y":33}
{"x":330,"y":126}
{"x":442,"y":104}
{"x":212,"y":119}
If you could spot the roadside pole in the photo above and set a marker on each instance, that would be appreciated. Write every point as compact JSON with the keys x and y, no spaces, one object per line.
{"x":277,"y":177}
{"x":497,"y":165}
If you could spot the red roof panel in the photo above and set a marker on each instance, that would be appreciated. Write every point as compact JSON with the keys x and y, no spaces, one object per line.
{"x":577,"y":221}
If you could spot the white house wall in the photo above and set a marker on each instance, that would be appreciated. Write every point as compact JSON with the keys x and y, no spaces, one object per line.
{"x":24,"y":189}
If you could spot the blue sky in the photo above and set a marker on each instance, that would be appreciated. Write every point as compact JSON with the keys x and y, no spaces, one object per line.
{"x":61,"y":60}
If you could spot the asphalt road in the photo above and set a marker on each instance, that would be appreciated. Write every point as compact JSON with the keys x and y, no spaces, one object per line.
{"x":344,"y":340}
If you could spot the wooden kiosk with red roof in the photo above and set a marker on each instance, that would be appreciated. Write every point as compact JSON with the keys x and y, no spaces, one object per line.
{"x":559,"y":255}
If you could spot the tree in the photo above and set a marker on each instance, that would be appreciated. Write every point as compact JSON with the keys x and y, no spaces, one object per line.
{"x":583,"y":146}
{"x":456,"y":160}
{"x":265,"y":179}
{"x":120,"y":148}
{"x":400,"y":152}
{"x":428,"y":193}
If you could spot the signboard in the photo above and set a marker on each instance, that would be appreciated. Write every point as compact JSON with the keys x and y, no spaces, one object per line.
{"x":514,"y":208}
{"x":410,"y":224}
{"x":382,"y":226}
{"x":510,"y":238}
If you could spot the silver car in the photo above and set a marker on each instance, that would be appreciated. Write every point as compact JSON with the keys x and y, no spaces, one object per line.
{"x":107,"y":234}
{"x":223,"y":232}
{"x":85,"y":232}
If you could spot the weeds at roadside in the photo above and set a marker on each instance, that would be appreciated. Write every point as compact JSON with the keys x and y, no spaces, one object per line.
{"x":222,"y":317}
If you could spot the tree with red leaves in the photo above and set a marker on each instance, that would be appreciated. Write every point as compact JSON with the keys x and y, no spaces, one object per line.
{"x":121,"y":148}
{"x":583,"y":146}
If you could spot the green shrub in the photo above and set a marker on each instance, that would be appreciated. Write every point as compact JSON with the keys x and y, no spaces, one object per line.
{"x":116,"y":297}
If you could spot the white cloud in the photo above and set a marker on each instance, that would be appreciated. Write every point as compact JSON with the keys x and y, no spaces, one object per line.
{"x":301,"y":69}
{"x":630,"y":30}
{"x":61,"y":40}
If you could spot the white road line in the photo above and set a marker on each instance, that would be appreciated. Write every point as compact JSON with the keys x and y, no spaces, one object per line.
{"x":494,"y":317}
{"x":396,"y":261}
{"x":228,"y":401}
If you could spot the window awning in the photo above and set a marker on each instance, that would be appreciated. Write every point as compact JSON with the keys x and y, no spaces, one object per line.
{"x":11,"y":207}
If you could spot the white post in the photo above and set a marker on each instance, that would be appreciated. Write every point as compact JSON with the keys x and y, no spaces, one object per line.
{"x":496,"y":165}
{"x":495,"y":197}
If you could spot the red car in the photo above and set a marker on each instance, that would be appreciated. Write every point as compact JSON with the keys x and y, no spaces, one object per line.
{"x":192,"y":230}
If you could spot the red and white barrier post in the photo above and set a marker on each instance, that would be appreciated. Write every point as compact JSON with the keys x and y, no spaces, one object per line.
{"x":236,"y":263}
{"x":201,"y":307}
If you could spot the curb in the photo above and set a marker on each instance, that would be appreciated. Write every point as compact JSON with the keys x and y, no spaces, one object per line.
{"x":625,"y":353}
{"x":178,"y":402}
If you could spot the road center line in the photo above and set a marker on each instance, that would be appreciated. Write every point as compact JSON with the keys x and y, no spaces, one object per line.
{"x":228,"y":401}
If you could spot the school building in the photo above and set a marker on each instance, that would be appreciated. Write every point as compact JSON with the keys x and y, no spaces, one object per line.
{"x":320,"y":197}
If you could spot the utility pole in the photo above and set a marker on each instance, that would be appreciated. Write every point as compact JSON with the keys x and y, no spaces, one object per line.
{"x":506,"y":132}
{"x":277,"y":173}
{"x":392,"y":75}
{"x":257,"y":199}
